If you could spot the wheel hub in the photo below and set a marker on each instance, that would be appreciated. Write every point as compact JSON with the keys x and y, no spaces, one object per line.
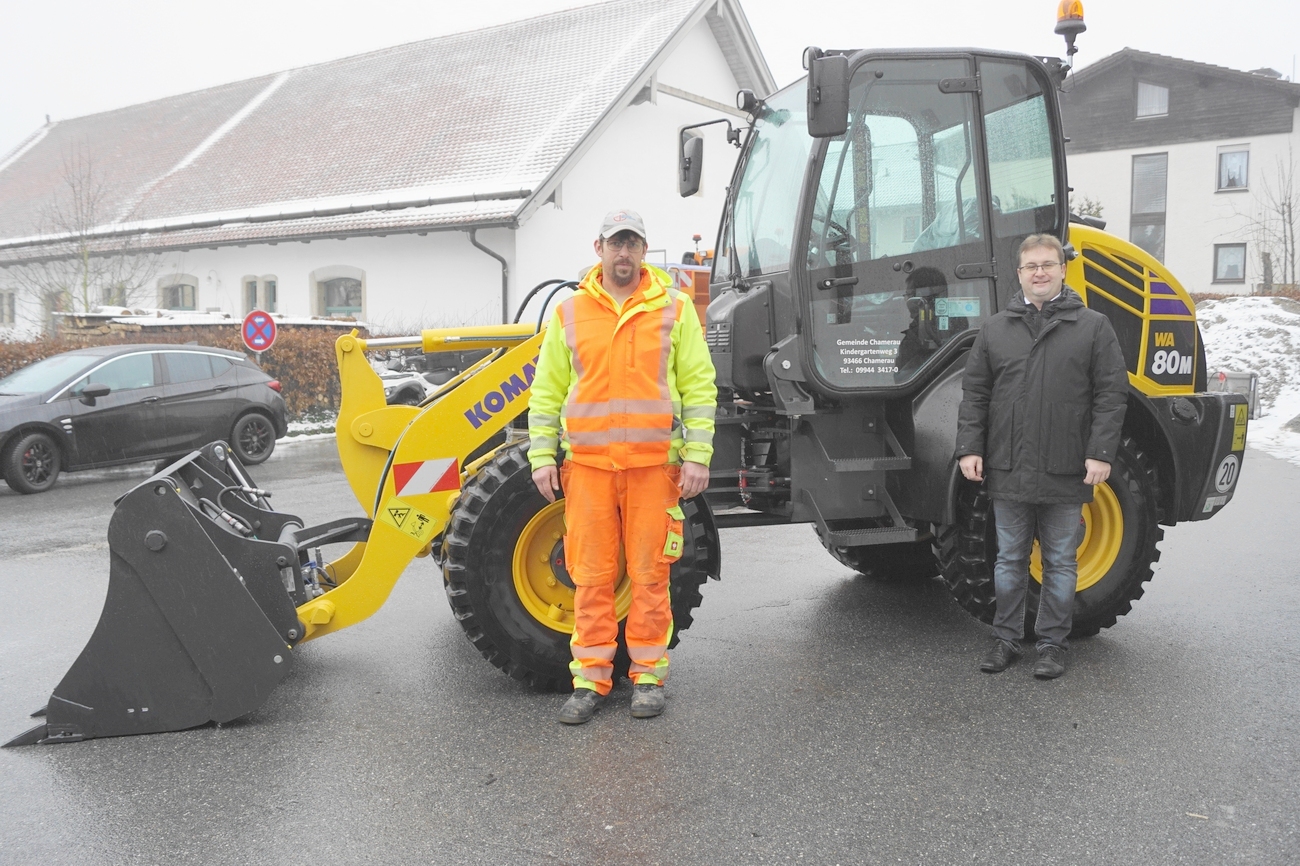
{"x":541,"y":573}
{"x":1103,"y":535}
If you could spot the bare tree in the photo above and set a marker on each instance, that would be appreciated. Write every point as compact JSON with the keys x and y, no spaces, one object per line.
{"x":1085,"y":205}
{"x":81,"y":268}
{"x":1271,"y":220}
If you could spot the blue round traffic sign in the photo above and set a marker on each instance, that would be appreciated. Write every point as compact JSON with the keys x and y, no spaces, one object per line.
{"x":259,"y":331}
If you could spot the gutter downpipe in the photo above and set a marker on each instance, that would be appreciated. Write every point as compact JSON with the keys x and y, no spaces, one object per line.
{"x":505,"y":275}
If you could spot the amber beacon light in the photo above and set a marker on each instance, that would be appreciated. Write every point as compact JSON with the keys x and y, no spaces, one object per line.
{"x":1069,"y":23}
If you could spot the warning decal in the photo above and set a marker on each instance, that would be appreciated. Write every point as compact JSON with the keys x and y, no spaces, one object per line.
{"x":426,"y":476}
{"x":1239,"y":427}
{"x":411,"y":521}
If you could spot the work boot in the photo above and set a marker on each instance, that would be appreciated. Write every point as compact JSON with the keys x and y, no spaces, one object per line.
{"x":580,"y":706}
{"x":647,"y":701}
{"x":1051,"y":662}
{"x":1000,"y":656}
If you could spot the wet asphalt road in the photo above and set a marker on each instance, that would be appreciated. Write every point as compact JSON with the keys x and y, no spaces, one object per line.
{"x":814,"y":716}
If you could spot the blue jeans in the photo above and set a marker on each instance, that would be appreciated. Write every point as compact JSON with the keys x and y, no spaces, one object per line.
{"x":1058,"y":530}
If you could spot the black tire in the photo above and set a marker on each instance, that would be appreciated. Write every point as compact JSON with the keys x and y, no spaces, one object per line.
{"x":912,"y":560}
{"x":407,"y":397}
{"x":32,"y":463}
{"x":253,"y":438}
{"x":478,"y":555}
{"x":968,"y":549}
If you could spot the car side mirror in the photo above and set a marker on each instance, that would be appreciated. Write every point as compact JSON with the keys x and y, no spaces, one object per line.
{"x":828,"y":93}
{"x":91,"y":391}
{"x":690,"y":163}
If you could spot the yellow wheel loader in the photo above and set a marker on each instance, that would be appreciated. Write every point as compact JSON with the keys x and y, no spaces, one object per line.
{"x":871,"y":226}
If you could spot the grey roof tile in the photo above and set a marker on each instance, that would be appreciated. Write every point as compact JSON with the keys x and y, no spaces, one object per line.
{"x":492,"y":108}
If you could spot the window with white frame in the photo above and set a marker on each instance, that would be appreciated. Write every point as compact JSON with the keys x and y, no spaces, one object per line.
{"x":178,"y":292}
{"x":113,"y":296}
{"x":8,"y":309}
{"x":1152,"y":100}
{"x":1234,"y":168}
{"x":339,"y":291}
{"x":1150,"y":193}
{"x":259,"y":293}
{"x":1230,"y":263}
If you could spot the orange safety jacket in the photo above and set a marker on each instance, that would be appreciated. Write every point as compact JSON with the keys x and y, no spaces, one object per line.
{"x":623,"y":388}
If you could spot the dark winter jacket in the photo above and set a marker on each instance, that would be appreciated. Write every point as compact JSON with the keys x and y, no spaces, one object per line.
{"x":1035,"y":408}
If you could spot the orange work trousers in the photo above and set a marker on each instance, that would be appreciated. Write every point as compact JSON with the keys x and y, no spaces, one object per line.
{"x":639,"y":510}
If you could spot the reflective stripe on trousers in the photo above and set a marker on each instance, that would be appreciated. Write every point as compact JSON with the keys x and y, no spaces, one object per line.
{"x":603,"y":508}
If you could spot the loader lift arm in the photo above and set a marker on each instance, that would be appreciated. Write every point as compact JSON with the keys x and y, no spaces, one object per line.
{"x":210,"y":589}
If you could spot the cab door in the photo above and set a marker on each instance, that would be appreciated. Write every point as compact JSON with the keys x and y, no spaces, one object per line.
{"x":899,"y":257}
{"x":128,"y":423}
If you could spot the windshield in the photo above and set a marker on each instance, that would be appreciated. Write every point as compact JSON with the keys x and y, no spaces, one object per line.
{"x":760,"y":231}
{"x":43,"y":375}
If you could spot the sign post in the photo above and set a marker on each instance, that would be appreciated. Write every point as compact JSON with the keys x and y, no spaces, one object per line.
{"x":259,"y":332}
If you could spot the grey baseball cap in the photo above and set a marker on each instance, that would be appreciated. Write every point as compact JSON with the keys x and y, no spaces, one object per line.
{"x":622,"y":221}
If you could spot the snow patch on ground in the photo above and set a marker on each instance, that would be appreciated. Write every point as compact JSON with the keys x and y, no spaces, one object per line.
{"x":1260,"y":334}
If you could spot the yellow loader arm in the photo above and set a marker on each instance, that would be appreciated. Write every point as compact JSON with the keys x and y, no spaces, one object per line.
{"x":405,"y":463}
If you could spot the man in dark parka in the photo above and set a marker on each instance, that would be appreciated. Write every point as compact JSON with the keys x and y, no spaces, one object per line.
{"x":1040,"y":423}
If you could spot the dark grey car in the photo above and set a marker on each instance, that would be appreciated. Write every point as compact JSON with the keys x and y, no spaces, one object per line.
{"x":109,"y":405}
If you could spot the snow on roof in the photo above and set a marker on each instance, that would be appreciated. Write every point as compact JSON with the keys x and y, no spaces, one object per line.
{"x":490,"y":113}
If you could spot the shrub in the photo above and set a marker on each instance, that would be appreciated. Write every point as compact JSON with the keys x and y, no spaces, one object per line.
{"x":302,"y":357}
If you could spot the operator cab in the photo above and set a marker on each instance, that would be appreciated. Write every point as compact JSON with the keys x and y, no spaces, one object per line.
{"x":884,"y":245}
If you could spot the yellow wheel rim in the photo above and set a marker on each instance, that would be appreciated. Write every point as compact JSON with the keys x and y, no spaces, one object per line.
{"x":540,"y":587}
{"x":1103,"y":535}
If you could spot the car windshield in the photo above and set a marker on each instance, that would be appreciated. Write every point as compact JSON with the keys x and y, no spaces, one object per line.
{"x":43,"y":375}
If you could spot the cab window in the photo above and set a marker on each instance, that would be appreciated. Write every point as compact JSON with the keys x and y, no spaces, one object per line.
{"x":896,"y":223}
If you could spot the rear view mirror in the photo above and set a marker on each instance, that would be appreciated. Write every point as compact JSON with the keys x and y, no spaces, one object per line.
{"x":690,"y":163}
{"x":828,"y":93}
{"x":91,"y":391}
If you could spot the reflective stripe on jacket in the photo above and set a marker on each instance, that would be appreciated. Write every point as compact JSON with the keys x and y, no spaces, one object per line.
{"x":623,"y":388}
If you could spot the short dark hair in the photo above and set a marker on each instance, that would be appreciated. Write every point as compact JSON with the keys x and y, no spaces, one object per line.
{"x":1044,"y":240}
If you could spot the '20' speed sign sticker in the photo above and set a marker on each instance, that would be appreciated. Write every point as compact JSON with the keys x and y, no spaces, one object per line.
{"x":1226,"y":475}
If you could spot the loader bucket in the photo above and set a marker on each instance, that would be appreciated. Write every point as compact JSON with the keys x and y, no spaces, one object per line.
{"x":200,"y":615}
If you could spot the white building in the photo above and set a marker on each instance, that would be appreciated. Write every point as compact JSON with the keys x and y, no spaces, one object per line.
{"x":1183,"y":158}
{"x":400,"y":186}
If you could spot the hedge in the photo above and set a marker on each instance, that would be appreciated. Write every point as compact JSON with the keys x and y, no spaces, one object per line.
{"x":302,"y":357}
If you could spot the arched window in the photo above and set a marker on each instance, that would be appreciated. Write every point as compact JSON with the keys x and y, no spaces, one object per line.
{"x":178,"y":292}
{"x":339,"y":290}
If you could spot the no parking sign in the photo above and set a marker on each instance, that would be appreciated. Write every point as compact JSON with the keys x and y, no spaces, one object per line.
{"x":259,"y":331}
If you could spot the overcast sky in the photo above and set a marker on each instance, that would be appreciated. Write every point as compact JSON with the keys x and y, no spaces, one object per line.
{"x":67,"y":58}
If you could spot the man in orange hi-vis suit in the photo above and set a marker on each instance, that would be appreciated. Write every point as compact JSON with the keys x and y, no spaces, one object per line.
{"x":625,"y":383}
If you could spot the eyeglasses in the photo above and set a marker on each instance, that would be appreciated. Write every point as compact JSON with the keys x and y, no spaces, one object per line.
{"x":1045,"y":267}
{"x":630,"y":242}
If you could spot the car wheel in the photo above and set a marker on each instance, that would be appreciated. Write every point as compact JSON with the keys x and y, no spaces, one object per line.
{"x":32,"y":464}
{"x":409,"y":397}
{"x":253,"y":438}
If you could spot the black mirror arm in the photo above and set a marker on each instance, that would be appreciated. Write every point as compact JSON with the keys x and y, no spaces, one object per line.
{"x":733,"y":132}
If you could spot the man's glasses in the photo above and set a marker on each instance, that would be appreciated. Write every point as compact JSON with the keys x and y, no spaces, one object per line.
{"x":1045,"y":267}
{"x":632,"y":243}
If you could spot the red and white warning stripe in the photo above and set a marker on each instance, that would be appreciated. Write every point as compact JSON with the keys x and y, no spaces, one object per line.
{"x":426,"y":476}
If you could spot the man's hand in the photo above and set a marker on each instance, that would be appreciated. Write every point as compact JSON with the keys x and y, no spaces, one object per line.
{"x":972,"y":466}
{"x":695,"y":477}
{"x":547,"y":480}
{"x":1095,"y":471}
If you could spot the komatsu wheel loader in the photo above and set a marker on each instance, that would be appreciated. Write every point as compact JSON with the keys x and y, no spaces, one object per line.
{"x":871,"y":226}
